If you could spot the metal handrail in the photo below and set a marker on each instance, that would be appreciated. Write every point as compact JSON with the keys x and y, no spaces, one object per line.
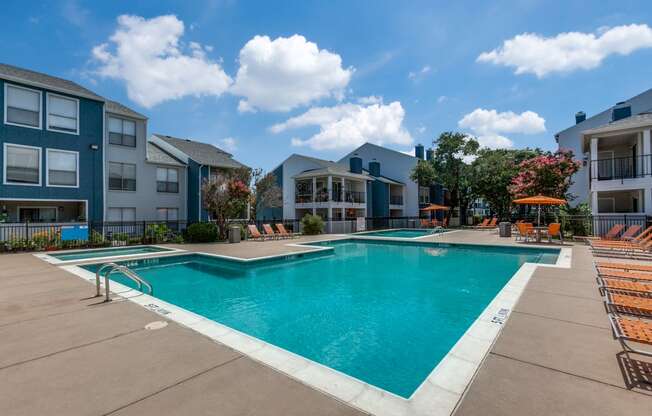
{"x":123,"y":269}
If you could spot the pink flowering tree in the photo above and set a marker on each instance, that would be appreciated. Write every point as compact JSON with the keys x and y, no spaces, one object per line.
{"x":549,"y":174}
{"x":225,"y":195}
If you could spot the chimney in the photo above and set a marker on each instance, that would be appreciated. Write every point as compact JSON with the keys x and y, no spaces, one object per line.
{"x":621,"y":110}
{"x":355,"y":164}
{"x":430,"y":154}
{"x":374,"y":168}
{"x":418,"y":151}
{"x":580,"y":116}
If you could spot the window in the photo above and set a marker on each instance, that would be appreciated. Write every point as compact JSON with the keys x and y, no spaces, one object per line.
{"x":37,"y":214}
{"x":22,"y":106}
{"x":22,"y":165}
{"x":424,"y":195}
{"x":121,"y":214}
{"x":167,"y":180}
{"x":122,"y":132}
{"x":62,"y":168}
{"x":122,"y":176}
{"x":63,"y":114}
{"x":168,"y":214}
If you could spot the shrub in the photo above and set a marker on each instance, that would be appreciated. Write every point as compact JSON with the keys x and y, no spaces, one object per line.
{"x":157,"y":233}
{"x":202,"y":232}
{"x":312,"y":224}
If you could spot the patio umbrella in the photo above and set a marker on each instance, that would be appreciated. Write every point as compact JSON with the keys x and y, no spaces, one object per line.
{"x":540,"y":200}
{"x":435,"y":207}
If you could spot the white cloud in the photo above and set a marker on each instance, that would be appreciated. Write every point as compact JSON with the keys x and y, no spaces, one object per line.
{"x":441,"y":99}
{"x":284,"y":73}
{"x":566,"y":52}
{"x":147,"y":54}
{"x":408,"y":152}
{"x":349,"y":125}
{"x":421,"y":129}
{"x":372,"y":99}
{"x":489,"y":125}
{"x":417,"y":75}
{"x":229,"y":144}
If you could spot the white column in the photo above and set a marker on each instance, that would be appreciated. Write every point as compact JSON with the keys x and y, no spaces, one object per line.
{"x":343,"y":193}
{"x":594,"y":202}
{"x":647,"y":151}
{"x":329,"y":188}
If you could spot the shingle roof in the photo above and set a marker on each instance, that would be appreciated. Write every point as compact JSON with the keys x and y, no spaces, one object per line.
{"x":117,"y":108}
{"x":157,"y":155}
{"x":39,"y":79}
{"x":640,"y":120}
{"x":203,"y":153}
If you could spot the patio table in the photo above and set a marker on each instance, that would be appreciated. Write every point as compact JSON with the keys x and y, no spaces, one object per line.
{"x":539,"y":231}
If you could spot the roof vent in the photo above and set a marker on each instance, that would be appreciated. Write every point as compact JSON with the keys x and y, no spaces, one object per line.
{"x":580,"y":116}
{"x":620,"y":111}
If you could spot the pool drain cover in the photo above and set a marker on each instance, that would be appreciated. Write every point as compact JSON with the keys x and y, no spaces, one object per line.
{"x":156,"y":325}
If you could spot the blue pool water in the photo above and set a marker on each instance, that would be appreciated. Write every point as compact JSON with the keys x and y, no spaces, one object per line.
{"x":399,"y":233}
{"x":115,"y":251}
{"x":383,"y":312}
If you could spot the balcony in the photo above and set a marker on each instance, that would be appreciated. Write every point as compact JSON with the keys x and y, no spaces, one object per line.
{"x":620,"y":168}
{"x":396,"y":200}
{"x":354,"y":197}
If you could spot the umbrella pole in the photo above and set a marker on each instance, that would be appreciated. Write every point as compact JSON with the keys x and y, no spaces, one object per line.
{"x":539,"y":216}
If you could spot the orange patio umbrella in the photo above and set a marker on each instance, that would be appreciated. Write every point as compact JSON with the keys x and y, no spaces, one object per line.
{"x":539,"y":200}
{"x":435,"y":207}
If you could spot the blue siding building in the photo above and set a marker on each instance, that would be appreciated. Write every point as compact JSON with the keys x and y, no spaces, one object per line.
{"x":51,"y":149}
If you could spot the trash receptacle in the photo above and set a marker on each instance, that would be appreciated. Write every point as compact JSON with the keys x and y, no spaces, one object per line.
{"x":505,"y":229}
{"x":234,"y":234}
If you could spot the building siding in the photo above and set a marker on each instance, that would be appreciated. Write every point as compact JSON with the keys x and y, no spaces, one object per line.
{"x":90,"y":161}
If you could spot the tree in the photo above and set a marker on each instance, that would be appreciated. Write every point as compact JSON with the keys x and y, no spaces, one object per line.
{"x":225,"y":195}
{"x":265,"y":192}
{"x":548,"y":174}
{"x":449,"y":167}
{"x":491,"y":176}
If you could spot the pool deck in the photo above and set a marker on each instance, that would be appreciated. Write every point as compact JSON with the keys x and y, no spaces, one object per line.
{"x":65,"y":353}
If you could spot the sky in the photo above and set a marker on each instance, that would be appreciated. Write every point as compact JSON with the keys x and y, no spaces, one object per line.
{"x":264,"y":79}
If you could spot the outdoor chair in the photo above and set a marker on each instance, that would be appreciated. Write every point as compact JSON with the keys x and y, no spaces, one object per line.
{"x":269,"y":232}
{"x":631,"y":305}
{"x":643,"y":237}
{"x":613,"y":232}
{"x":630,"y":329}
{"x":621,"y":274}
{"x":619,"y":285}
{"x":554,"y":230}
{"x":525,"y":231}
{"x":624,"y":266}
{"x":254,"y":234}
{"x":280,"y":228}
{"x":425,"y":223}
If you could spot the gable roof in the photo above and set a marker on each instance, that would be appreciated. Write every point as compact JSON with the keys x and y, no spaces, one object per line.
{"x":117,"y":108}
{"x":39,"y":79}
{"x":328,"y":167}
{"x":202,"y":153}
{"x":385,"y":149}
{"x":159,"y":156}
{"x":643,"y":119}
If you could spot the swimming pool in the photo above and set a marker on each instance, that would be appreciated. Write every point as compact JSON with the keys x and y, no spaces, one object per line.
{"x":107,"y":252}
{"x":383,"y":312}
{"x":401,"y":233}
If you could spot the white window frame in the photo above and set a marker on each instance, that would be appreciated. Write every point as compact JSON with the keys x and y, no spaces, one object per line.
{"x":47,"y":121}
{"x":135,"y":165}
{"x":122,"y":213}
{"x":4,"y":164}
{"x":47,"y":169}
{"x":167,"y":175}
{"x":40,"y":110}
{"x":167,"y":212}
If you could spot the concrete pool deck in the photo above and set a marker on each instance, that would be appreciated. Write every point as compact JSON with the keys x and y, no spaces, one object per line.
{"x":63,"y":353}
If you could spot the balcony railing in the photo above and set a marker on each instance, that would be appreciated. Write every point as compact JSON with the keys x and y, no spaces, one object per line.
{"x":303,"y":198}
{"x":354,"y":197}
{"x":621,"y":168}
{"x":396,"y":199}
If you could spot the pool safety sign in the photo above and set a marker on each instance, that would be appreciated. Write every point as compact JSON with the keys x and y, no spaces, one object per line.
{"x":74,"y":232}
{"x":501,"y":316}
{"x":360,"y":224}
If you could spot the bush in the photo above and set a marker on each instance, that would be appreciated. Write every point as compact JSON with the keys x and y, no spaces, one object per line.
{"x":312,"y":224}
{"x":202,"y":232}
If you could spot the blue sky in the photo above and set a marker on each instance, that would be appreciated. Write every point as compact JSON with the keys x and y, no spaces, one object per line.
{"x":234,"y":74}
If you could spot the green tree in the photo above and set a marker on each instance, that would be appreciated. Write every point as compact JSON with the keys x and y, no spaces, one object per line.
{"x":491,"y":176}
{"x":265,"y":192}
{"x":225,"y":195}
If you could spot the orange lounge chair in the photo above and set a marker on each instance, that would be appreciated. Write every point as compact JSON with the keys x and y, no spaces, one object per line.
{"x":254,"y":234}
{"x":283,"y":232}
{"x":634,"y":305}
{"x":624,"y":266}
{"x":445,"y":222}
{"x":626,"y":240}
{"x":629,"y":329}
{"x":613,"y":232}
{"x":525,"y":231}
{"x":621,"y":274}
{"x":269,"y":232}
{"x":483,"y":223}
{"x":619,"y":285}
{"x":492,"y":224}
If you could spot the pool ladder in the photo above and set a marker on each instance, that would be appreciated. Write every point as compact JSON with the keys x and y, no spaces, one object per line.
{"x":112,"y":267}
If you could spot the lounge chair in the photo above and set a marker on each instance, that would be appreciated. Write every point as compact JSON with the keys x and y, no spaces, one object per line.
{"x":280,"y":228}
{"x":624,"y":266}
{"x":628,"y":238}
{"x":631,"y":305}
{"x":619,"y":285}
{"x":445,"y":222}
{"x":484,"y":223}
{"x":630,"y":329}
{"x":613,"y":232}
{"x":254,"y":234}
{"x":269,"y":232}
{"x":425,"y":223}
{"x":492,"y":224}
{"x":621,"y":274}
